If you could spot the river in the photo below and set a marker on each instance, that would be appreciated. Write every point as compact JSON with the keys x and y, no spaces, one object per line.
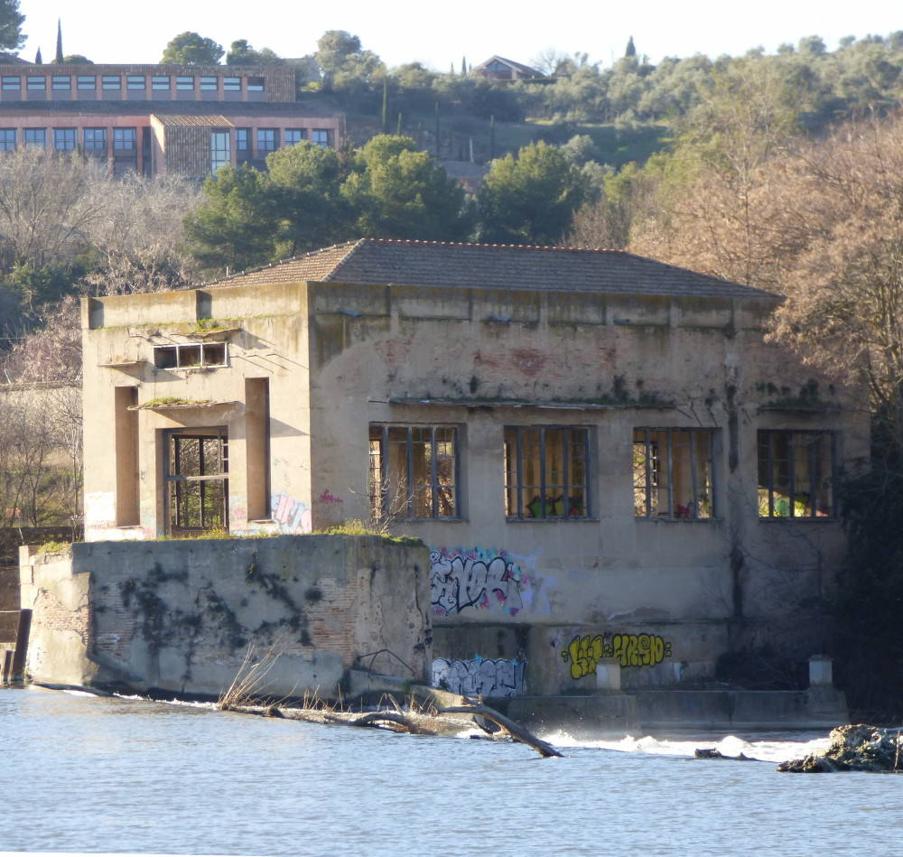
{"x":86,"y":773}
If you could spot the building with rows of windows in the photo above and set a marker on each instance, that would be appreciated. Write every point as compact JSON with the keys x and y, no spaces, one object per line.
{"x":606,"y":457}
{"x":159,"y":119}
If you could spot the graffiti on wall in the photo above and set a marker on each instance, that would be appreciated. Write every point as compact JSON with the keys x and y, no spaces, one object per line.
{"x":290,"y":515}
{"x":480,"y":676}
{"x":630,"y":650}
{"x":476,"y":578}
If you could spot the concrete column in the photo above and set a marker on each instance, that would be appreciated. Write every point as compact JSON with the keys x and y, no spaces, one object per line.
{"x":608,"y":674}
{"x":821,"y":673}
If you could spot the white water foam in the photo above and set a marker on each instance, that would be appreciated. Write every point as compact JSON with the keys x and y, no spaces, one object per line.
{"x":778,"y":748}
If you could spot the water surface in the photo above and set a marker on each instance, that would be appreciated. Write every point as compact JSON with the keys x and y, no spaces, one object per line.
{"x":83,"y":773}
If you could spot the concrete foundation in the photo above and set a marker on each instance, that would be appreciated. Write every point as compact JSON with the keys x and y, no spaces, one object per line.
{"x":180,"y":616}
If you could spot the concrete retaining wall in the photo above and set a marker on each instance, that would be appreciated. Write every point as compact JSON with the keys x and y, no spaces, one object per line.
{"x":180,"y":615}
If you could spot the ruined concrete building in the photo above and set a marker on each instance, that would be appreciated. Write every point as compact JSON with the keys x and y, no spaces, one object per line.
{"x":605,"y":456}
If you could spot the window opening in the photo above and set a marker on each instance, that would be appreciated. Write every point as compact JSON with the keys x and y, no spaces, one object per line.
{"x":413,"y":472}
{"x":293,"y":135}
{"x":209,"y":83}
{"x":160,"y":82}
{"x":12,"y":83}
{"x":135,"y":82}
{"x":255,"y":84}
{"x":7,"y":139}
{"x":320,"y":137}
{"x":206,"y":355}
{"x":267,"y":140}
{"x":61,"y":83}
{"x":37,"y":84}
{"x":232,"y":84}
{"x":197,"y":480}
{"x":111,"y":82}
{"x":87,"y":82}
{"x":546,"y":472}
{"x":672,"y":474}
{"x":36,"y":137}
{"x":95,"y":142}
{"x":185,"y":83}
{"x":796,"y":470}
{"x":220,"y":155}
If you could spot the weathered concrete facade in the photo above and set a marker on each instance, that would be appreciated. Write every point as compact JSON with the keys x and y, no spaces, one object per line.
{"x":330,"y":359}
{"x":179,"y":616}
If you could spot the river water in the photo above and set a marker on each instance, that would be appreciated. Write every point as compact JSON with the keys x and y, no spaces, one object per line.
{"x":84,"y":773}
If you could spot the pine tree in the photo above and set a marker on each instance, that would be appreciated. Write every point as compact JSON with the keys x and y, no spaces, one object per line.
{"x":631,"y":48}
{"x":59,"y":42}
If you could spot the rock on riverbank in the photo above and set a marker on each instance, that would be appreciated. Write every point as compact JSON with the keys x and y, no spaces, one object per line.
{"x":856,"y":747}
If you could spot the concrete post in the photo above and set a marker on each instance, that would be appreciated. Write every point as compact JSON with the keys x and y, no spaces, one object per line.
{"x":821,"y":672}
{"x":608,"y":674}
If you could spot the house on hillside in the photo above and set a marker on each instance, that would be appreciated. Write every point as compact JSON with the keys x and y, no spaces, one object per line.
{"x":499,"y":68}
{"x":159,"y":119}
{"x":604,"y":454}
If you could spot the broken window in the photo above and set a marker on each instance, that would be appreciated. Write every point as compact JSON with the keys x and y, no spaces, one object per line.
{"x":197,"y":480}
{"x":795,"y":474}
{"x":413,"y":472}
{"x":204,"y":355}
{"x":672,"y":474}
{"x":546,"y":472}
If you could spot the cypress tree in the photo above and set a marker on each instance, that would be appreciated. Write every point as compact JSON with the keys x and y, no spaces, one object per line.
{"x":398,"y":124}
{"x":463,"y":66}
{"x":385,"y":110}
{"x":631,"y":48}
{"x":492,"y":137}
{"x":38,"y":60}
{"x":437,"y":129}
{"x":59,"y":42}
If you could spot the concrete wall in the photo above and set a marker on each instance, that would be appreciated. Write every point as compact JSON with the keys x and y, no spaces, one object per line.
{"x":666,"y":596}
{"x":180,"y":615}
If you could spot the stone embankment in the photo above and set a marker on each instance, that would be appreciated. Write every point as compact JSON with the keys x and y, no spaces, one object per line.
{"x":854,"y":748}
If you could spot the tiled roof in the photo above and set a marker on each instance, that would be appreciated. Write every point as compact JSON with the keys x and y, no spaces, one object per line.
{"x":206,"y":121}
{"x":384,"y":261}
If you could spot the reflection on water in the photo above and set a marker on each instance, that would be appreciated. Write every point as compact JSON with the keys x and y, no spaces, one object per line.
{"x":82,"y":773}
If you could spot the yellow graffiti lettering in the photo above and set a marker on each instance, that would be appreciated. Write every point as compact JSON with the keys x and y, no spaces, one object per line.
{"x":583,"y":653}
{"x":630,"y":650}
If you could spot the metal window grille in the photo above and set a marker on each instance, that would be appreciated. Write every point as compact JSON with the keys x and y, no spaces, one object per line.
{"x":547,"y":472}
{"x":197,"y":479}
{"x":795,"y":474}
{"x":413,"y":471}
{"x":673,"y":473}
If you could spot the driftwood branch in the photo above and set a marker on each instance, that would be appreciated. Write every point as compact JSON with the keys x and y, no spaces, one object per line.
{"x":517,"y":732}
{"x":374,"y":718}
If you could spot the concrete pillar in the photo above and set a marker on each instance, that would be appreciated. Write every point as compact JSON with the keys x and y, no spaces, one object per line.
{"x":608,"y":674}
{"x":821,"y":673}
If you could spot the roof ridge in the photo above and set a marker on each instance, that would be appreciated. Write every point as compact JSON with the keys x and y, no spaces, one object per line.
{"x":297,"y":258}
{"x":355,"y":245}
{"x":553,"y":248}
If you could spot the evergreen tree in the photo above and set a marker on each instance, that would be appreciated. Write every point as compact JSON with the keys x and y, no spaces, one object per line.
{"x":59,"y":42}
{"x":38,"y":59}
{"x":11,"y":36}
{"x":190,"y":48}
{"x":631,"y":48}
{"x":463,"y":66}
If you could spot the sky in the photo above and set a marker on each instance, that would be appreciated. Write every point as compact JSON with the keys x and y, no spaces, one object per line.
{"x":400,"y":31}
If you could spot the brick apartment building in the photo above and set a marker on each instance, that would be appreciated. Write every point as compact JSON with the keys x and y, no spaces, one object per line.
{"x":159,"y":119}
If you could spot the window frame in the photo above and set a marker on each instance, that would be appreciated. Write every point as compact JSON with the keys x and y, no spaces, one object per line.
{"x":259,"y":150}
{"x":91,"y":149}
{"x":61,"y":83}
{"x":26,"y":143}
{"x":208,"y":83}
{"x":176,"y":483}
{"x":179,"y":348}
{"x":161,"y":83}
{"x":519,"y":515}
{"x":11,"y":83}
{"x":385,"y":511}
{"x":649,"y":485}
{"x":69,"y":135}
{"x":111,"y":82}
{"x":232,"y":83}
{"x":184,"y":83}
{"x":832,"y":438}
{"x":287,"y":132}
{"x":321,"y":137}
{"x":5,"y":139}
{"x":36,"y":82}
{"x":135,"y":82}
{"x":86,"y":83}
{"x":256,"y":84}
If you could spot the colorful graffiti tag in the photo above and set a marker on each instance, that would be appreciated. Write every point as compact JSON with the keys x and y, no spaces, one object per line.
{"x":630,"y":650}
{"x":290,"y":515}
{"x":480,"y":676}
{"x":476,"y":578}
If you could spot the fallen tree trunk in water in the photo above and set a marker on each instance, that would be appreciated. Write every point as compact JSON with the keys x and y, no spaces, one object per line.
{"x":442,"y":722}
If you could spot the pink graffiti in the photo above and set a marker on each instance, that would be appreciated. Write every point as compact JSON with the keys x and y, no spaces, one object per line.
{"x":328,"y":497}
{"x":291,"y":515}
